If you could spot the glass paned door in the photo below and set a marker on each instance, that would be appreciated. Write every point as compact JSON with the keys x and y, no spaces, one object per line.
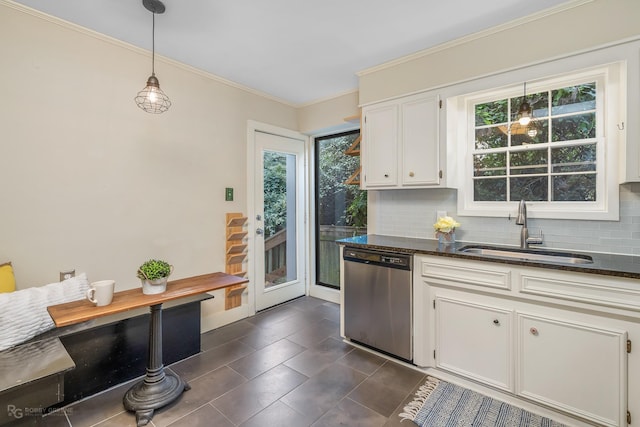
{"x":341,"y":206}
{"x":279,"y":206}
{"x":280,"y":248}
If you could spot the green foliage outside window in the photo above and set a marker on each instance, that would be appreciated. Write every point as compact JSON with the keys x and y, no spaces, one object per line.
{"x":334,"y":168}
{"x":551,"y":159}
{"x":275,"y":192}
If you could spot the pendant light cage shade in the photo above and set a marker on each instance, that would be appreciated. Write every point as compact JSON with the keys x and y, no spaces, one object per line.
{"x":525,"y":113}
{"x":152,"y":99}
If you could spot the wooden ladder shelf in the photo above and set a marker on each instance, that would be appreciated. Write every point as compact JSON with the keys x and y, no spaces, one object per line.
{"x":236,"y":255}
{"x":354,"y":150}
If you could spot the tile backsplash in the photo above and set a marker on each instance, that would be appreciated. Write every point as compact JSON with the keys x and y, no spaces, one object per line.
{"x":411,"y":213}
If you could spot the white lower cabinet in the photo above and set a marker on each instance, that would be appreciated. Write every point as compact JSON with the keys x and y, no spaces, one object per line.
{"x":574,"y":367}
{"x":474,"y":340}
{"x":531,"y":339}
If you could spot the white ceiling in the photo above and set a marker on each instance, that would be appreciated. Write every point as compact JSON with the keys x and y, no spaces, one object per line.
{"x":299,"y":51}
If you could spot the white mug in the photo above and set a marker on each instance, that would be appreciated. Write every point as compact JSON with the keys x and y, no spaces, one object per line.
{"x":101,"y":293}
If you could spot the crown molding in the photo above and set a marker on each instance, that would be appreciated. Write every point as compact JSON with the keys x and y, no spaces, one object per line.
{"x":328,"y":98}
{"x":119,"y":43}
{"x":475,"y":36}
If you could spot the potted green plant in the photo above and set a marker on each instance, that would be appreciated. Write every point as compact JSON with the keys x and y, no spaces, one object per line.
{"x":154,"y":274}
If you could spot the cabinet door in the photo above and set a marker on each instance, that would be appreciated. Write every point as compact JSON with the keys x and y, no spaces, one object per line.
{"x":380,"y":146}
{"x":475,"y":341}
{"x":573,"y":367}
{"x":420,"y":140}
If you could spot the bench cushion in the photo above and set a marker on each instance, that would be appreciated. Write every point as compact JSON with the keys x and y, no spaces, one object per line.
{"x":23,"y":313}
{"x":7,"y":279}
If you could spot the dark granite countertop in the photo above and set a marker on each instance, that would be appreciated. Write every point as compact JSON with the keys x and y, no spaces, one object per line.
{"x":627,"y":266}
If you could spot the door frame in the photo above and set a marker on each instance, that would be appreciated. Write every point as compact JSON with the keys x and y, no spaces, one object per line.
{"x":253,"y":127}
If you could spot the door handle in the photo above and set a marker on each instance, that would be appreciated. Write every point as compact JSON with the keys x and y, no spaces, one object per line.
{"x":259,"y":231}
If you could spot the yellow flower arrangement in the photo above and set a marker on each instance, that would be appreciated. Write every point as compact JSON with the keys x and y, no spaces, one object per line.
{"x":445,"y":224}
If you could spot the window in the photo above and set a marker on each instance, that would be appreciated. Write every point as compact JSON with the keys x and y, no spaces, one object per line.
{"x":563,"y":162}
{"x":341,"y":207}
{"x":552,"y":158}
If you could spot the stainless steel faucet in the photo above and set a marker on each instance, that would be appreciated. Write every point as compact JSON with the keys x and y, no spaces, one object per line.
{"x":521,"y":219}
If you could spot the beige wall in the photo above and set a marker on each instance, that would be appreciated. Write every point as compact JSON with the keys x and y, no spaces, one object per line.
{"x":328,"y":115}
{"x":578,"y":28}
{"x":90,"y":181}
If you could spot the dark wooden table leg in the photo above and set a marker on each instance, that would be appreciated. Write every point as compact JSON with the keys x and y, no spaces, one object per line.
{"x":159,"y":388}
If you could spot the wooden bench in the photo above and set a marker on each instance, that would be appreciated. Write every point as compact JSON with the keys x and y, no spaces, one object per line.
{"x":70,"y":363}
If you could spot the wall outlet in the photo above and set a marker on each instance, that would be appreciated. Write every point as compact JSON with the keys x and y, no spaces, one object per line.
{"x":440,"y":214}
{"x":67,"y":274}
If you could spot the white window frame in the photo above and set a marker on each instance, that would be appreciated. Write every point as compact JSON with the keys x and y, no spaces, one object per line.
{"x":610,"y":101}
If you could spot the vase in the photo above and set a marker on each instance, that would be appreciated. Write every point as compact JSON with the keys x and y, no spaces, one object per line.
{"x":446,"y":238}
{"x":152,"y":287}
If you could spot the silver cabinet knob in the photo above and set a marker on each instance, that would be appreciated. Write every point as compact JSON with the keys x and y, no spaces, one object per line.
{"x":386,"y":175}
{"x":496,"y":322}
{"x":534,"y":331}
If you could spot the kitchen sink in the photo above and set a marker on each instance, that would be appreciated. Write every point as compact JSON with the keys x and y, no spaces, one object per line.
{"x":527,"y":254}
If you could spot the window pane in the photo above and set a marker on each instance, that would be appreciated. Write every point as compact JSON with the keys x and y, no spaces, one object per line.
{"x":529,"y":162}
{"x":580,"y":188}
{"x":491,"y":113}
{"x":493,"y":137}
{"x":534,"y":161}
{"x":490,"y":164}
{"x":569,"y":128}
{"x":573,"y":99}
{"x":490,"y":190}
{"x":529,"y":188}
{"x":579,"y":158}
{"x":279,"y":218}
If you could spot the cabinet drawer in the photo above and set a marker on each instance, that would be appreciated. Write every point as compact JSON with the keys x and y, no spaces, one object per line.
{"x":468,"y":273}
{"x":599,"y":290}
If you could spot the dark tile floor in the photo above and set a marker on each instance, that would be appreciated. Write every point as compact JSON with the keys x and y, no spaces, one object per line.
{"x":286,"y":366}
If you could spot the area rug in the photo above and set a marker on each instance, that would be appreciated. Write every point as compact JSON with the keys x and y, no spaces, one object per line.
{"x":442,"y":404}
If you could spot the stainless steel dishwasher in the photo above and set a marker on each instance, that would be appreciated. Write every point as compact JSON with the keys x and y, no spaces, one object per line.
{"x":378,"y":300}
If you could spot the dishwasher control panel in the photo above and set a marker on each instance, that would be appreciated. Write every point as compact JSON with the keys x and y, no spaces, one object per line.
{"x":402,"y":261}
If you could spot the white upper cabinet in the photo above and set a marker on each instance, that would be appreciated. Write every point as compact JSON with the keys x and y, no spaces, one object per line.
{"x":380,"y":147}
{"x":401,"y":147}
{"x":420,"y":143}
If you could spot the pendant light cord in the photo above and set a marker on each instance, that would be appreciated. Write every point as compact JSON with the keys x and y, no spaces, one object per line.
{"x":153,"y":44}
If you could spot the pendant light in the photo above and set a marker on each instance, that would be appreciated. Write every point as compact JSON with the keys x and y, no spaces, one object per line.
{"x":525,"y":113}
{"x":152,"y":99}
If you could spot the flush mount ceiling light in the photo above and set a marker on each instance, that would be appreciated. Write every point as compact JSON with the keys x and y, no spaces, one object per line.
{"x":525,"y":114}
{"x":152,"y":99}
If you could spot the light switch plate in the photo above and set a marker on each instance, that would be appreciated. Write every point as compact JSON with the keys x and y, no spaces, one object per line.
{"x":228,"y":194}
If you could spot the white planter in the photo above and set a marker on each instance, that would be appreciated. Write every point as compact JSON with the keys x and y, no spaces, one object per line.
{"x":151,"y":287}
